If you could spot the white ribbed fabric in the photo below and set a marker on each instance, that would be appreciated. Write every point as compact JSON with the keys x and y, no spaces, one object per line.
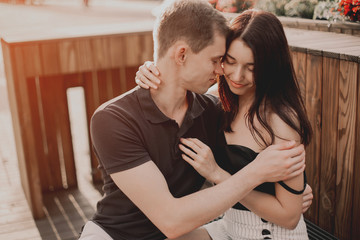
{"x":241,"y":225}
{"x":92,"y":231}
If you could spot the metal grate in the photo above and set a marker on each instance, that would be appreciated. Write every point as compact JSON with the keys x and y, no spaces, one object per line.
{"x":317,"y":233}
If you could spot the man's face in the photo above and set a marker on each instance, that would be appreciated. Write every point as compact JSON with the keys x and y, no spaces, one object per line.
{"x":200,"y":69}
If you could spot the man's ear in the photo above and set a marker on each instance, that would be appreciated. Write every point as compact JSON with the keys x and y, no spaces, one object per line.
{"x":181,"y":52}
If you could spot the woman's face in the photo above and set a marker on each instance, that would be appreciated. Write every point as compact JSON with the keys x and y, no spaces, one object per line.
{"x":238,"y":68}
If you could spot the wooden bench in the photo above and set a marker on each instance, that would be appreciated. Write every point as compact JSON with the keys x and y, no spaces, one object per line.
{"x":68,"y":210}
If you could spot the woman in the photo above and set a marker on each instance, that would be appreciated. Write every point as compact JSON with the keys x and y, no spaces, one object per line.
{"x":262,"y":106}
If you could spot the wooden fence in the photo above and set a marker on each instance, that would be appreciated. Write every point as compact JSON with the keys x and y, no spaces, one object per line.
{"x":39,"y":73}
{"x":327,"y":67}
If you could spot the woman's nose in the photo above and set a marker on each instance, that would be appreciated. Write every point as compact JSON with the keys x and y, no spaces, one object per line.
{"x":238,"y":73}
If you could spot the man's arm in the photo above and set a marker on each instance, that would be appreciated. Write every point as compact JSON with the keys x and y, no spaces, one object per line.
{"x":146,"y":187}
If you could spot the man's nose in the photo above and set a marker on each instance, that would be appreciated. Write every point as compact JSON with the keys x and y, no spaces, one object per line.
{"x":218,"y":69}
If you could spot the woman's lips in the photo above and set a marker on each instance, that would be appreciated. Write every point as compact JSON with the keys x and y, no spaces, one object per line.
{"x":236,"y":85}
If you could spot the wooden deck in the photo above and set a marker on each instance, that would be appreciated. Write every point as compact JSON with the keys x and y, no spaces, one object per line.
{"x":16,"y":221}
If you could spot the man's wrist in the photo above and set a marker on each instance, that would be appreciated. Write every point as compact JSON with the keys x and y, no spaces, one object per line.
{"x":254,"y":175}
{"x":220,"y":176}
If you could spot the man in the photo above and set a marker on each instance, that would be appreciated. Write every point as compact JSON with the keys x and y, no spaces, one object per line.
{"x":150,"y":191}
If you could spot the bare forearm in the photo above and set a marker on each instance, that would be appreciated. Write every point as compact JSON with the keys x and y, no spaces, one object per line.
{"x":270,"y":208}
{"x":259,"y":204}
{"x":192,"y":211}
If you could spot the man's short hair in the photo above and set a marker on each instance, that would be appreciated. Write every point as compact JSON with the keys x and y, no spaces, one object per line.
{"x":194,"y":21}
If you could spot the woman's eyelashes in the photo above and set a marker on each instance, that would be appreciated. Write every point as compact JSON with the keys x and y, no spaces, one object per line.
{"x":250,"y":67}
{"x":229,"y":61}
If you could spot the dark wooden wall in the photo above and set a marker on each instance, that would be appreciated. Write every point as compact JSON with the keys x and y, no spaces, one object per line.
{"x":327,"y":67}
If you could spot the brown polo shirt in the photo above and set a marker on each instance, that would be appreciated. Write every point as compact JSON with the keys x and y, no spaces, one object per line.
{"x":129,"y":131}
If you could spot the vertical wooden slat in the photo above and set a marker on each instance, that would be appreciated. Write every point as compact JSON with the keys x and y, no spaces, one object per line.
{"x":18,"y":98}
{"x":103,"y":85}
{"x":91,"y":102}
{"x":346,"y":148}
{"x":356,"y":192}
{"x":33,"y":66}
{"x":68,"y":58}
{"x":50,"y":58}
{"x":48,"y":89}
{"x":313,"y":106}
{"x":116,"y":82}
{"x":85,"y":55}
{"x":299,"y":61}
{"x":64,"y":130}
{"x":28,"y":132}
{"x":133,"y":53}
{"x":100,"y":53}
{"x":33,"y":87}
{"x":147,"y":48}
{"x":330,"y":88}
{"x":130,"y":73}
{"x":117,"y":54}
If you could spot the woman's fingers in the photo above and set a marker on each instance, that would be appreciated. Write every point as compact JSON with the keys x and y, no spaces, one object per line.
{"x":188,"y":152}
{"x":144,"y":80}
{"x":189,"y":160}
{"x":199,"y":143}
{"x":148,"y":71}
{"x":140,"y":83}
{"x":151,"y":66}
{"x":189,"y":142}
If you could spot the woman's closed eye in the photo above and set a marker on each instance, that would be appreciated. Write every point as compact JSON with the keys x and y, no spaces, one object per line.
{"x":230,"y":61}
{"x":250,"y":67}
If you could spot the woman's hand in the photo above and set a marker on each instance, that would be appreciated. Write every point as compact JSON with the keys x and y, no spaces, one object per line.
{"x":307,"y":198}
{"x":148,"y":76}
{"x":201,"y":158}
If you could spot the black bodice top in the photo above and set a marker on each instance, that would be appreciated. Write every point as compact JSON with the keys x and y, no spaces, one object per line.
{"x":232,"y":158}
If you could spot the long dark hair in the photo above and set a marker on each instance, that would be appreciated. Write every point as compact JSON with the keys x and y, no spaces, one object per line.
{"x":277,"y":88}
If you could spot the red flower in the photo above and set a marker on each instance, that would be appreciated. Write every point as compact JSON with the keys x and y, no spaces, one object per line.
{"x":350,"y":8}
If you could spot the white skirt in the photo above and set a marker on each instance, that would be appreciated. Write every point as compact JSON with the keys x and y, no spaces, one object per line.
{"x":240,"y":224}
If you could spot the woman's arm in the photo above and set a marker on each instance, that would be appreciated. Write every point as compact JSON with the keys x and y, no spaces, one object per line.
{"x":285,"y":208}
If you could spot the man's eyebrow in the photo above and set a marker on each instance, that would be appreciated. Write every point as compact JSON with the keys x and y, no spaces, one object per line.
{"x":217,"y":57}
{"x":228,"y":55}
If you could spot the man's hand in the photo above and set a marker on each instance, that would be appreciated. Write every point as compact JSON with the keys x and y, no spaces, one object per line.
{"x":307,"y":198}
{"x":280,"y":162}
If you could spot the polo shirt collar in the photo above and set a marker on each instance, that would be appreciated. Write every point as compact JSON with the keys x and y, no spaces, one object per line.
{"x":153,"y":114}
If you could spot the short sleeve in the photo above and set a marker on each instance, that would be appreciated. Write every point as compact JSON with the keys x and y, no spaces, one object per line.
{"x":116,"y":141}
